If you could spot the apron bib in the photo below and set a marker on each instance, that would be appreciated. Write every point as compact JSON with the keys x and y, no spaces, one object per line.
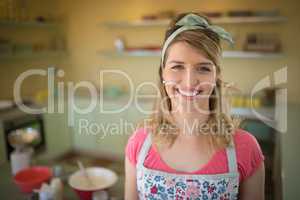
{"x":155,"y":184}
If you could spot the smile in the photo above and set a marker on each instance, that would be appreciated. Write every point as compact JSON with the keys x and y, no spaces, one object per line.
{"x":189,"y":94}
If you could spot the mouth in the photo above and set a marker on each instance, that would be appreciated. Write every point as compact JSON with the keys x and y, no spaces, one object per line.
{"x":189,"y":94}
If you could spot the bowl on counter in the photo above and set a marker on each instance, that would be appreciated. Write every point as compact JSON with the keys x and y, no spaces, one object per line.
{"x":99,"y":178}
{"x":32,"y":178}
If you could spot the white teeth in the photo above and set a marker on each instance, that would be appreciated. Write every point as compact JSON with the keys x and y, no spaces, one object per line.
{"x":189,"y":94}
{"x":169,"y":82}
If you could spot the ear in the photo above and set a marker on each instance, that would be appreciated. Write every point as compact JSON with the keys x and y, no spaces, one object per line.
{"x":161,"y":74}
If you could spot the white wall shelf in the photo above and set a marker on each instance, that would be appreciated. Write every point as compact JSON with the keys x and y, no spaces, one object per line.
{"x":249,"y":113}
{"x":220,"y":20}
{"x":226,"y":54}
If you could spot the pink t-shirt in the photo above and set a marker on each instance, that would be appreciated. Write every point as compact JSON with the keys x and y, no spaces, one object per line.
{"x":248,"y":152}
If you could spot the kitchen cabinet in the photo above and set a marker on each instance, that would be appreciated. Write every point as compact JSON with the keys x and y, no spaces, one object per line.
{"x":2,"y":150}
{"x":58,"y":134}
{"x":269,"y":141}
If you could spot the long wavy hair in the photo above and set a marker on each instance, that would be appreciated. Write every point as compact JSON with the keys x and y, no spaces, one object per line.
{"x":161,"y":124}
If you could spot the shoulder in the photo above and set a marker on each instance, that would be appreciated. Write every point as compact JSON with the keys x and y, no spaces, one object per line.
{"x":244,"y":139}
{"x":134,"y":144}
{"x":249,"y":153}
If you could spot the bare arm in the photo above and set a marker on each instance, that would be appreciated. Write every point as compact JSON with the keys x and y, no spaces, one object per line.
{"x":130,"y":181}
{"x":254,"y":186}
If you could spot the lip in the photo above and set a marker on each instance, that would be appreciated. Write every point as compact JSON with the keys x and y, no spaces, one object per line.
{"x":188,"y":95}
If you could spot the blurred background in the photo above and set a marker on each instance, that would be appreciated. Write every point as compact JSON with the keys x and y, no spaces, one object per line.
{"x":77,"y":40}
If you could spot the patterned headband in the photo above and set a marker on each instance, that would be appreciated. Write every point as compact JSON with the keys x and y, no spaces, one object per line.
{"x":191,"y":22}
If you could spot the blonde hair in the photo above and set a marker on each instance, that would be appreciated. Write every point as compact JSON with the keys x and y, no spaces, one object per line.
{"x":207,"y":43}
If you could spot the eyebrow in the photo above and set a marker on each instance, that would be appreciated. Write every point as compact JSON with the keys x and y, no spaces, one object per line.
{"x":181,"y":62}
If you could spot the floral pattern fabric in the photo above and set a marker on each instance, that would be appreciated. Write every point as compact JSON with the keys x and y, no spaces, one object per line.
{"x":159,"y":185}
{"x":154,"y":186}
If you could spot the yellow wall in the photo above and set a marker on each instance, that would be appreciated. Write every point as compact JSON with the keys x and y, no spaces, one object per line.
{"x":11,"y":68}
{"x":85,"y":36}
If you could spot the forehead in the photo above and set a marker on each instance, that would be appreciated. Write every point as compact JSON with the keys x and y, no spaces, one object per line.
{"x":181,"y":51}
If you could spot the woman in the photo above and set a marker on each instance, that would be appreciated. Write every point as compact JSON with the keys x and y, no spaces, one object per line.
{"x":191,"y":149}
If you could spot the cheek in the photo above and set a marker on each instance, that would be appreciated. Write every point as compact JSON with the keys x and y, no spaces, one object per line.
{"x":170,"y":90}
{"x":209,"y":78}
{"x":208,"y":82}
{"x":209,"y":87}
{"x":169,"y":74}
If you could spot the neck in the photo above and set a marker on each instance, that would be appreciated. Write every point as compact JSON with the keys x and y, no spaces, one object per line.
{"x":193,"y":141}
{"x":190,"y":123}
{"x":190,"y":119}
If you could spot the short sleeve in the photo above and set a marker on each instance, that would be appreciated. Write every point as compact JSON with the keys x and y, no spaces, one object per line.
{"x":249,"y":153}
{"x":134,"y":145}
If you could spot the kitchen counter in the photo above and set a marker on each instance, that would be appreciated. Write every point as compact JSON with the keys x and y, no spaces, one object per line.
{"x":10,"y":191}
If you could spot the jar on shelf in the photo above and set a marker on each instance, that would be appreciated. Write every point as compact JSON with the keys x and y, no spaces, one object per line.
{"x":119,"y":44}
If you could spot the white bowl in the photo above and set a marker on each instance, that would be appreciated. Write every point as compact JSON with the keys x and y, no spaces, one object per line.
{"x":101,"y":178}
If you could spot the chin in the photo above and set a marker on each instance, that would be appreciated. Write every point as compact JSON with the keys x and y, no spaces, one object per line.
{"x":186,"y":106}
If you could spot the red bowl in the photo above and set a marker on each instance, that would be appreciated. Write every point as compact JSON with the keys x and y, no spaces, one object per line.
{"x":32,"y":178}
{"x":84,"y":195}
{"x":108,"y":178}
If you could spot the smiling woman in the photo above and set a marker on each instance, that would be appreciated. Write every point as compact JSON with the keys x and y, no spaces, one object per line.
{"x":191,"y":148}
{"x":191,"y":61}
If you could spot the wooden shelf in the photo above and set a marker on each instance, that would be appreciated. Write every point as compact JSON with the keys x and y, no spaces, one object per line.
{"x":29,"y":24}
{"x":32,"y":55}
{"x":220,"y":20}
{"x":137,"y":23}
{"x":137,"y":53}
{"x":226,"y":54}
{"x":247,"y":20}
{"x":248,"y":54}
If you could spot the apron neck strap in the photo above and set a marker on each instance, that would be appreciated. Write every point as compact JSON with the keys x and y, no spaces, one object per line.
{"x":231,"y":155}
{"x":231,"y":158}
{"x":144,"y":150}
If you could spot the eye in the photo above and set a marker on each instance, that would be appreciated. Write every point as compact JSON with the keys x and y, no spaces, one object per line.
{"x":177,"y":67}
{"x":203,"y":69}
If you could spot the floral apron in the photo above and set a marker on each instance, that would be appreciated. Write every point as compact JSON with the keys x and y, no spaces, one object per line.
{"x":154,"y":184}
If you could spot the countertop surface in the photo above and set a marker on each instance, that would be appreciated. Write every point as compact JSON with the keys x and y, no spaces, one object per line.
{"x":10,"y":191}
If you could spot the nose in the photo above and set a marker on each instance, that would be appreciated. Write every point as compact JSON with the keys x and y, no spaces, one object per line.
{"x":190,"y":80}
